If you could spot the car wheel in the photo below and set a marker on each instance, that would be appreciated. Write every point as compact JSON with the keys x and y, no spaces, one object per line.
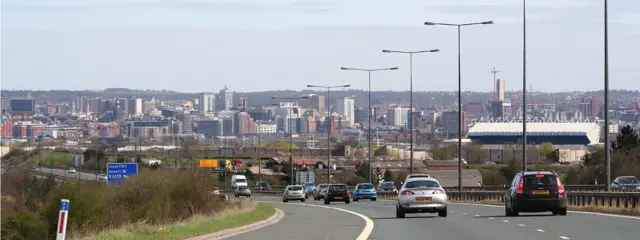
{"x":285,"y":200}
{"x":326,"y":201}
{"x":514,"y":212}
{"x":374,"y":199}
{"x":443,"y":212}
{"x":347,"y":201}
{"x":355,"y":199}
{"x":399,"y":212}
{"x":302,"y":200}
{"x":562,"y":211}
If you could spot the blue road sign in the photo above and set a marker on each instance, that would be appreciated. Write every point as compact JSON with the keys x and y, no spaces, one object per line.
{"x":116,"y":172}
{"x":64,"y":205}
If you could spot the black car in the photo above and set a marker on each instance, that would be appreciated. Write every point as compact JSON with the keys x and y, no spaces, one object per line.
{"x":536,"y":192}
{"x":337,"y":193}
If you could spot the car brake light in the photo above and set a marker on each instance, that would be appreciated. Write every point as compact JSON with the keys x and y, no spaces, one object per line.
{"x":560,"y":187}
{"x":286,"y":193}
{"x":521,"y":185}
{"x":348,"y":193}
{"x":329,"y":193}
{"x":407,"y":193}
{"x":438,"y":192}
{"x":374,"y":190}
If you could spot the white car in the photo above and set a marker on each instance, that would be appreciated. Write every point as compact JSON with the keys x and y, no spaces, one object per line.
{"x":421,"y":195}
{"x":102,"y":178}
{"x":293,"y":192}
{"x":72,"y":170}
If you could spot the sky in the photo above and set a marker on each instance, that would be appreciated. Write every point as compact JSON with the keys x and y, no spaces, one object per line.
{"x":256,"y":45}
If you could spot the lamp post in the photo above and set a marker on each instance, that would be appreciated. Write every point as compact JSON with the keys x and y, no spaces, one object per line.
{"x":459,"y":26}
{"x":369,"y":113}
{"x":607,"y":144}
{"x":290,"y":132}
{"x":524,"y":86}
{"x":410,"y":53}
{"x":328,"y":124}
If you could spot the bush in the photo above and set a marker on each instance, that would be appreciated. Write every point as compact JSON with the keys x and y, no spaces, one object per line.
{"x":153,"y":197}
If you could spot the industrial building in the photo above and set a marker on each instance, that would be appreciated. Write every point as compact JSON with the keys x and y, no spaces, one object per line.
{"x":558,"y":132}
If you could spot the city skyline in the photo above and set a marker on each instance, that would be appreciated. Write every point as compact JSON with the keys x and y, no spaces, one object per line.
{"x":191,"y":45}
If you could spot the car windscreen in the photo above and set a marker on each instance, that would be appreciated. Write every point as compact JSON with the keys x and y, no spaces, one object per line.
{"x":263,"y":184}
{"x":540,"y":180}
{"x":243,"y":187}
{"x":295,"y":188}
{"x":338,"y":188}
{"x":241,"y":180}
{"x":366,"y":186}
{"x":387,"y":185}
{"x":422,"y":184}
{"x":628,"y":180}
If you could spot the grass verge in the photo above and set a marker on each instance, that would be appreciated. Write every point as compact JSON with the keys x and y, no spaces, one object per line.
{"x":195,"y":226}
{"x":598,"y":209}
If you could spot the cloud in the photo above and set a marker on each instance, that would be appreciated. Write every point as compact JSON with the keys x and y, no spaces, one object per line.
{"x":625,"y":18}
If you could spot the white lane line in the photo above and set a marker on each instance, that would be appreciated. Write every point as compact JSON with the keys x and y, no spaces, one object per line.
{"x":521,"y":225}
{"x":581,"y":212}
{"x":242,"y":229}
{"x":368,"y":227}
{"x":540,"y":230}
{"x":563,"y":237}
{"x":505,"y":221}
{"x":476,"y":215}
{"x":464,"y":213}
{"x":492,"y":218}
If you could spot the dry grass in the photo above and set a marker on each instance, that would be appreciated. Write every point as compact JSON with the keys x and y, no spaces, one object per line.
{"x":599,"y":209}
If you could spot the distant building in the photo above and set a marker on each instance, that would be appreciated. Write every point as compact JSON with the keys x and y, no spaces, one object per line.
{"x":206,"y":103}
{"x":224,"y":100}
{"x":501,"y":131}
{"x":500,"y":85}
{"x":346,"y":108}
{"x":449,"y":122}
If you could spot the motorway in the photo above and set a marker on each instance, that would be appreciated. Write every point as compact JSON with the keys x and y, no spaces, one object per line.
{"x":465,"y":221}
{"x":65,"y":173}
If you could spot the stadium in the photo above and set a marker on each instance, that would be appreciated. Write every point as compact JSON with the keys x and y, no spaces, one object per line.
{"x":558,"y":132}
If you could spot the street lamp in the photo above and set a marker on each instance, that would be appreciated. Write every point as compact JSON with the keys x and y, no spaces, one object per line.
{"x":459,"y":26}
{"x":328,"y":124}
{"x":607,"y":144}
{"x":290,"y":132}
{"x":411,"y":97}
{"x":369,"y":113}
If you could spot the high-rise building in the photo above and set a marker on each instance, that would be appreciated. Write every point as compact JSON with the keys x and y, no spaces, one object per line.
{"x":398,"y":116}
{"x":206,"y":103}
{"x":317,"y":102}
{"x":79,"y":104}
{"x":449,"y":122}
{"x":224,"y":100}
{"x":590,"y":107}
{"x":346,"y":108}
{"x":135,"y":106}
{"x":362,"y":116}
{"x":500,"y":84}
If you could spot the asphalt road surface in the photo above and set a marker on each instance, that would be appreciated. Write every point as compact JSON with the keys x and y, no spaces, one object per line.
{"x":464,"y":222}
{"x":66,"y":173}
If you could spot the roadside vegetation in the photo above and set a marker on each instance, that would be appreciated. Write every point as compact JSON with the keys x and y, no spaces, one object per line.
{"x":154,"y":198}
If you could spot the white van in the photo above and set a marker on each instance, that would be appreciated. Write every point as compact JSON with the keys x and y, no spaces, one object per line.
{"x":238,"y":180}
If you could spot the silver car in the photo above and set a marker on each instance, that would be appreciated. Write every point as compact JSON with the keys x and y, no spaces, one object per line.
{"x":242,"y":191}
{"x":421,"y":195}
{"x":320,"y":191}
{"x":293,"y":192}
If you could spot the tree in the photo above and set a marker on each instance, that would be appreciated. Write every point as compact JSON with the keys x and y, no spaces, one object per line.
{"x":249,"y":174}
{"x":548,"y":151}
{"x":362,"y":169}
{"x":388,"y":175}
{"x":377,"y":175}
{"x":626,"y":140}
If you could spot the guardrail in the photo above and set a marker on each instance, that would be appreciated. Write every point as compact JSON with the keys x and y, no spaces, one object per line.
{"x":568,"y":188}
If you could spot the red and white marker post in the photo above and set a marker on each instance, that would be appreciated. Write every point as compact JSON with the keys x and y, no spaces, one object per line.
{"x":62,"y":219}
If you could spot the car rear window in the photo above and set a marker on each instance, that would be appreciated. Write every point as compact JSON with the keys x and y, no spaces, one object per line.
{"x":366,"y":186}
{"x":241,"y":180}
{"x":323,"y":186}
{"x":309,"y":185}
{"x":295,"y":188}
{"x":422,"y":184}
{"x":338,"y":188}
{"x":628,"y":180}
{"x":540,"y":180}
{"x":387,"y":185}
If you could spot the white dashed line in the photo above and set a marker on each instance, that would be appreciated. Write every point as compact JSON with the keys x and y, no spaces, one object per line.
{"x":505,"y":221}
{"x":492,"y":218}
{"x":464,"y":213}
{"x":563,"y":237}
{"x":476,"y":215}
{"x":521,"y":225}
{"x":540,"y":230}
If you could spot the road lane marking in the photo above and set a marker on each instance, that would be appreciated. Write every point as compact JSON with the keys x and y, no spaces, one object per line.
{"x":464,"y":213}
{"x":476,"y":215}
{"x":540,"y":230}
{"x":505,"y":221}
{"x":224,"y":234}
{"x":563,"y":237}
{"x":368,"y":227}
{"x":591,"y":213}
{"x":521,"y":225}
{"x":492,"y":218}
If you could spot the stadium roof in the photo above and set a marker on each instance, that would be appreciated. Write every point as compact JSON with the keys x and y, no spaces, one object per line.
{"x":591,"y":130}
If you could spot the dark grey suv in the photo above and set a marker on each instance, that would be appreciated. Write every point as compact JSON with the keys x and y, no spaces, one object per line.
{"x":535,"y":192}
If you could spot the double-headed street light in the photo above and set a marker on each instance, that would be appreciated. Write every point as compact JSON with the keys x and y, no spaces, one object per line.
{"x":290,"y":131}
{"x":328,"y":107}
{"x":370,"y":110}
{"x":411,"y":97}
{"x":459,"y":26}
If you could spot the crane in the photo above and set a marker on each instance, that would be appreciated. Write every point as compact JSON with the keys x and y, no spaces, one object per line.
{"x":495,"y":74}
{"x":533,"y":108}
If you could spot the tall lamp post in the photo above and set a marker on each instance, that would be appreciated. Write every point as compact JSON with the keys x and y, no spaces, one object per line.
{"x":328,"y":123}
{"x":410,"y":53}
{"x":369,"y":113}
{"x":524,"y":86}
{"x":607,"y":144}
{"x":290,"y":132}
{"x":459,"y":26}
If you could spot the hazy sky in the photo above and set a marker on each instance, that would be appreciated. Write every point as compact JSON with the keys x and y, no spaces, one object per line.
{"x":251,"y":45}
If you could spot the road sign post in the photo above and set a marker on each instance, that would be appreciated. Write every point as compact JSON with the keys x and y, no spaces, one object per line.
{"x":62,"y":219}
{"x":116,"y":172}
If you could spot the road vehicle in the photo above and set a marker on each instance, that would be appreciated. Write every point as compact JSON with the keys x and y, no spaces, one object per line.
{"x":102,"y":177}
{"x":364,"y":191}
{"x":626,"y":182}
{"x":242,"y":191}
{"x":337,"y":193}
{"x":387,"y":187}
{"x":72,"y":170}
{"x":320,"y":191}
{"x":535,"y":191}
{"x":263,"y":186}
{"x":306,"y":192}
{"x":421,"y":195}
{"x":293,"y":192}
{"x":238,"y":180}
{"x":309,"y":186}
